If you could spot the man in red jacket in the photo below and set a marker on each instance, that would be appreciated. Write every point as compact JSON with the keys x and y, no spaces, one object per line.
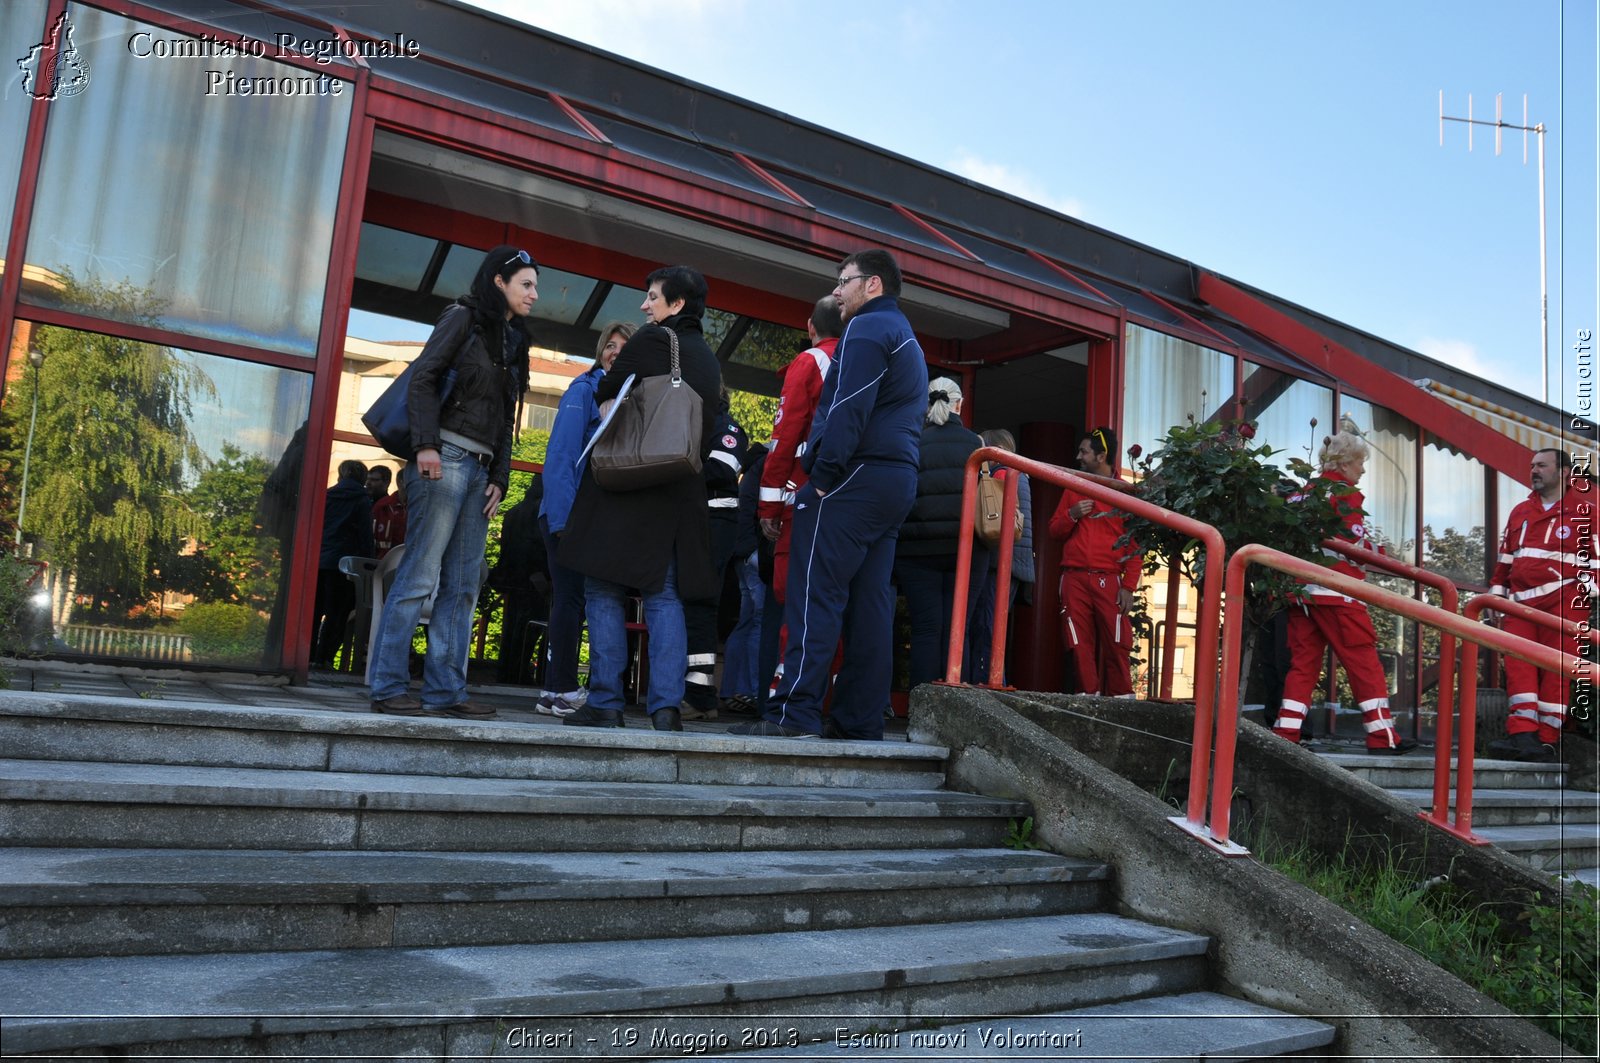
{"x":1098,"y":577}
{"x":783,"y":476}
{"x":1548,"y":558}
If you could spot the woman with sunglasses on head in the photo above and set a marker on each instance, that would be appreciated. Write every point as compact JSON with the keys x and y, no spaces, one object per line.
{"x":456,"y":483}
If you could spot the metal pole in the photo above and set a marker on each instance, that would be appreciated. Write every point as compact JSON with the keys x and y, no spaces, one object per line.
{"x":1544,"y":291}
{"x":27,"y":454}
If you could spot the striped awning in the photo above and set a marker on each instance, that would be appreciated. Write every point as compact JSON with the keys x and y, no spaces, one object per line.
{"x":1531,"y":433}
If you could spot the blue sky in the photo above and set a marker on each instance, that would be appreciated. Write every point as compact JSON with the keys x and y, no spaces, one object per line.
{"x":1290,"y":145}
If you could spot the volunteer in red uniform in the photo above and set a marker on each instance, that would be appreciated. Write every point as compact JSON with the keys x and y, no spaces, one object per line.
{"x":1326,"y":618}
{"x":1098,"y":577}
{"x":1548,"y":558}
{"x":783,"y":476}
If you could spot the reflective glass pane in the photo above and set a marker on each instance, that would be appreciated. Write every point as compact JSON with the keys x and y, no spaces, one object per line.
{"x":864,"y":212}
{"x":769,"y":346}
{"x":460,"y":265}
{"x":562,"y":295}
{"x":169,"y":196}
{"x":680,"y":153}
{"x":622,"y":304}
{"x":1292,"y":415}
{"x":1169,"y":380}
{"x":1390,"y":483}
{"x":23,"y":23}
{"x":389,"y":256}
{"x":160,"y":487}
{"x":1452,"y":514}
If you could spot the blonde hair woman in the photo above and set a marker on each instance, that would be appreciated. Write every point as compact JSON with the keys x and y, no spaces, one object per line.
{"x":1324,"y":617}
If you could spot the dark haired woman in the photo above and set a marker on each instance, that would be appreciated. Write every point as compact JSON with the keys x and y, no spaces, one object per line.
{"x":454,"y":487}
{"x":657,"y":540}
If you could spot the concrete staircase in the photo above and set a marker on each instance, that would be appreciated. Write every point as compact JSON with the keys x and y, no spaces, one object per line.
{"x":235,"y":881}
{"x":1525,"y":809}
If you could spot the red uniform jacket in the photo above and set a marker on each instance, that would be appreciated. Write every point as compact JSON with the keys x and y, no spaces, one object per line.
{"x":1091,"y":543}
{"x":1351,"y":508}
{"x":1548,"y":555}
{"x":802,"y":387}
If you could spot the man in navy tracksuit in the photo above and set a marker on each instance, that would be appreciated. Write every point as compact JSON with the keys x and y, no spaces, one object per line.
{"x":862,"y":460}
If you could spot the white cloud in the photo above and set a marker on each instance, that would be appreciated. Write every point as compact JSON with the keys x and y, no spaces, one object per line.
{"x":1017,"y":182}
{"x":1462,"y":355}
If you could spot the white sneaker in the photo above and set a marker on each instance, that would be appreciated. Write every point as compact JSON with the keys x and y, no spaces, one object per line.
{"x":555,"y":705}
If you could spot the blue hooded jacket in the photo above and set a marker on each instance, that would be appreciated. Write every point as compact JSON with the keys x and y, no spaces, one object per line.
{"x":576,"y":419}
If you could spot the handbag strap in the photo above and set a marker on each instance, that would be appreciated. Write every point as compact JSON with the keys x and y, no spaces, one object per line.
{"x":677,"y":370}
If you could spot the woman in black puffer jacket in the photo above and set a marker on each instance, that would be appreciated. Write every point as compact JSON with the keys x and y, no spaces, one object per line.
{"x":925,"y":556}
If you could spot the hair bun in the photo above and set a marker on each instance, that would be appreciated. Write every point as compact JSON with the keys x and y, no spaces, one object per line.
{"x":938,"y":396}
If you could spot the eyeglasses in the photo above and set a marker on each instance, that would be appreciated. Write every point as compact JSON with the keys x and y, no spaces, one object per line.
{"x":521,"y":256}
{"x":843,"y":281}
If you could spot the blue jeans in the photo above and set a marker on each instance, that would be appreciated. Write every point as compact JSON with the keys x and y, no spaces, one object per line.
{"x":445,"y":532}
{"x":741,"y":668}
{"x":566,"y":620}
{"x":608,"y":643}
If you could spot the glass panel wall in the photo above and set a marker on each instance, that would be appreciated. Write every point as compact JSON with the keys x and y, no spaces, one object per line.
{"x":160,"y":486}
{"x":1452,"y":514}
{"x":21,"y":22}
{"x":170,"y":197}
{"x":1169,"y":380}
{"x":1291,"y":414}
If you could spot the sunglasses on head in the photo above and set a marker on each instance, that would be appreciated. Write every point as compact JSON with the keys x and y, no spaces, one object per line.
{"x":521,"y":256}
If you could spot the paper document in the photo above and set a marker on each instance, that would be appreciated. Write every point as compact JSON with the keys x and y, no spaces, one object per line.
{"x":605,"y":422}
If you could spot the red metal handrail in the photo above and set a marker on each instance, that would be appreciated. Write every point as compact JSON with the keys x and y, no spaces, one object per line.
{"x":1460,"y":626}
{"x":1469,"y":699}
{"x":1450,"y":601}
{"x":1097,"y":488}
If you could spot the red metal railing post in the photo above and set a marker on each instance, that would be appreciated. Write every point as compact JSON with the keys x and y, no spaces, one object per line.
{"x":1002,"y":584}
{"x":958,"y":617}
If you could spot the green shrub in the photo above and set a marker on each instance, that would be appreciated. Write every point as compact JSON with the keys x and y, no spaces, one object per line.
{"x":224,"y":632}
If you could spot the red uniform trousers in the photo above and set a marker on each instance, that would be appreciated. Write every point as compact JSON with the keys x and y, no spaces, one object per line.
{"x":1538,"y":698}
{"x":1095,"y":631}
{"x":1346,"y":627}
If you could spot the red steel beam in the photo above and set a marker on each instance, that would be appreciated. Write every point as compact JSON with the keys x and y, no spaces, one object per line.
{"x":1430,"y":413}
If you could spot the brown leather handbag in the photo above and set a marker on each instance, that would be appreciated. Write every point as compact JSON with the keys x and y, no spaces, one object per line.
{"x":653,"y":434}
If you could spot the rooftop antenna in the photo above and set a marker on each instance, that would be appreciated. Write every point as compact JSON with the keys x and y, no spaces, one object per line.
{"x":1500,"y":126}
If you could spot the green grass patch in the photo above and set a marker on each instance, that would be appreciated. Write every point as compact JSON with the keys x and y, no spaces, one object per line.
{"x":1545,"y":966}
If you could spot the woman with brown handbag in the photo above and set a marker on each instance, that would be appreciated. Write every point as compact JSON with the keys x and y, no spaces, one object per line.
{"x":654,"y":540}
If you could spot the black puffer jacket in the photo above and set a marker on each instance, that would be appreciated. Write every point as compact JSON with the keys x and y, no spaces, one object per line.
{"x":934,"y":526}
{"x":483,"y":403}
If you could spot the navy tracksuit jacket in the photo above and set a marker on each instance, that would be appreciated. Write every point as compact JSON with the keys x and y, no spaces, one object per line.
{"x":862,"y":457}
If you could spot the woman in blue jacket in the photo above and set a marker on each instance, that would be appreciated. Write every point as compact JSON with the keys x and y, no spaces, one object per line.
{"x":576,"y":420}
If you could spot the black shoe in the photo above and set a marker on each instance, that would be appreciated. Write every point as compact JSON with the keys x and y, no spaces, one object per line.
{"x":589,"y":716}
{"x":768,"y":729}
{"x":1526,"y":747}
{"x":1399,"y":749}
{"x":740,"y":705}
{"x":689,"y":712}
{"x":666,"y":720}
{"x":399,"y":705}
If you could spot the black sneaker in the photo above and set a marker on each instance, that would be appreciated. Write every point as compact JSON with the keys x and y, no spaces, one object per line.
{"x":666,"y":720}
{"x":589,"y":716}
{"x":740,"y":705}
{"x":768,"y":729}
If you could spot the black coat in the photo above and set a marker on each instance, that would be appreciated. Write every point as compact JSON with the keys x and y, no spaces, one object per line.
{"x":934,"y":525}
{"x":629,"y":537}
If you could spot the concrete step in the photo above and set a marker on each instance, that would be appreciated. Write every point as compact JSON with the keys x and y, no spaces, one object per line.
{"x":1183,"y":1026}
{"x":1415,"y":771}
{"x":1551,"y":847}
{"x":78,"y":728}
{"x":70,"y":803}
{"x":461,"y":1001}
{"x":1504,"y":807}
{"x":114,"y":902}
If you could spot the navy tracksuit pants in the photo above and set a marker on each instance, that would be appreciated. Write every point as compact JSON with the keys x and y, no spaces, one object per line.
{"x":840,"y":563}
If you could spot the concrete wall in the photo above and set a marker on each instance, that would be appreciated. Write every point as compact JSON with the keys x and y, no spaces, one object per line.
{"x":1274,"y":941}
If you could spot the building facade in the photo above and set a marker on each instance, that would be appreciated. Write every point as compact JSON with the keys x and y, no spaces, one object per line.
{"x":205,"y":194}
